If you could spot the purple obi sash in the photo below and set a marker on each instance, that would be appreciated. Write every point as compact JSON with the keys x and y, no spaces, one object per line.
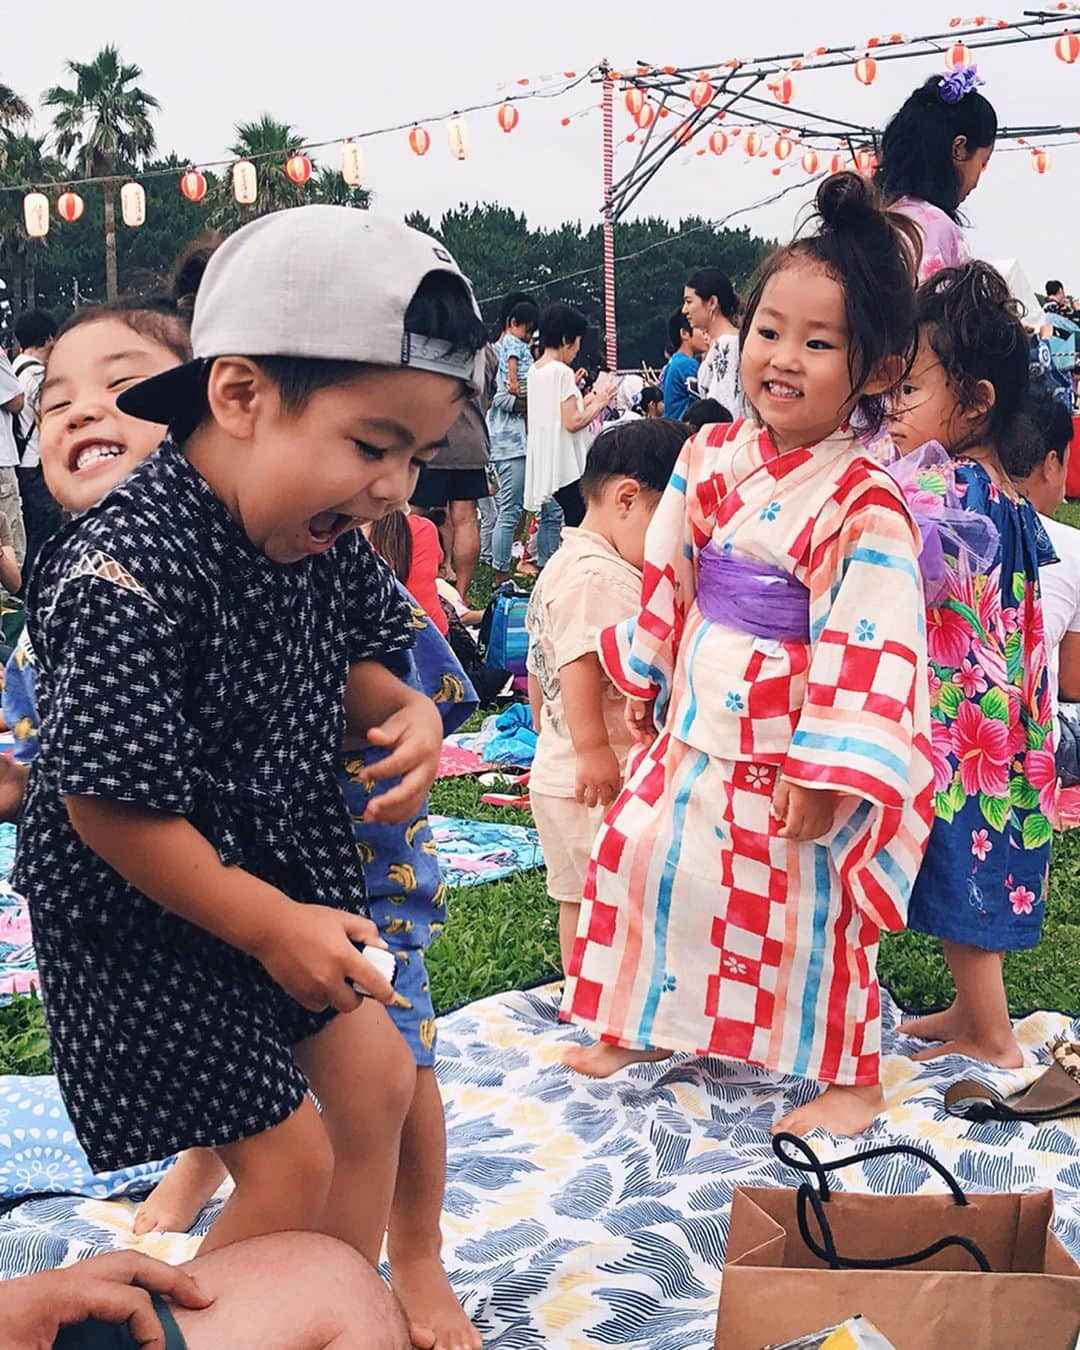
{"x":752,"y":597}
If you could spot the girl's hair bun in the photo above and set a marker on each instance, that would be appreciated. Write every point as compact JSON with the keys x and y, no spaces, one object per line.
{"x":873,"y":255}
{"x":847,"y":201}
{"x":189,"y":268}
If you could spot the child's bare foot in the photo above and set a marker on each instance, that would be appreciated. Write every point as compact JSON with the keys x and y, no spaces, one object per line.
{"x":1004,"y":1053}
{"x":179,"y":1197}
{"x":939,"y":1026}
{"x":601,"y":1061}
{"x":842,"y":1111}
{"x":436,"y":1319}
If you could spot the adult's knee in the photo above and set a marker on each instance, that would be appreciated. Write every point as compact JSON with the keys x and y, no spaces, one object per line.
{"x":295,"y":1290}
{"x":358,"y":1310}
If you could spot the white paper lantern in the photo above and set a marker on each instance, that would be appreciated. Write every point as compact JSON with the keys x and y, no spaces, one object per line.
{"x":133,"y":205}
{"x":245,"y":182}
{"x":352,"y":162}
{"x":36,"y":214}
{"x":457,"y":134}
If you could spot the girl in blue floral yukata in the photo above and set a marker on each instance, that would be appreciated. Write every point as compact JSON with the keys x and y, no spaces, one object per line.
{"x":982,"y":887}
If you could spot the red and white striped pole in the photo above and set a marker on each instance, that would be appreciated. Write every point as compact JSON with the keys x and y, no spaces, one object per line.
{"x":612,"y":345}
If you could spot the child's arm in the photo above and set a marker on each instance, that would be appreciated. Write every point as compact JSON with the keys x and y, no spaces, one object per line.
{"x":10,"y":574}
{"x":1069,"y":668}
{"x":536,"y":701}
{"x":512,"y":375}
{"x":307,"y":949}
{"x":384,"y":711}
{"x":598,"y":777}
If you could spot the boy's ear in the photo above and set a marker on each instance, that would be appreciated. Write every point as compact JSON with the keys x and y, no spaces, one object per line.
{"x":234,"y":392}
{"x":625,"y":494}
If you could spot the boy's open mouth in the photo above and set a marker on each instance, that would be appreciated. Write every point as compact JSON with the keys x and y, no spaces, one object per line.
{"x":327,"y":526}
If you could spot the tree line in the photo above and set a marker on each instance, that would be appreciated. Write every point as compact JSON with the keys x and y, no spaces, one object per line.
{"x":102,"y":127}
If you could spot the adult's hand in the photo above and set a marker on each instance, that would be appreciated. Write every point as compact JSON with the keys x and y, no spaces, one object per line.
{"x":113,"y":1288}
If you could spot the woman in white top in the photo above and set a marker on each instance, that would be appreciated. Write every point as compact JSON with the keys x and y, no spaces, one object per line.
{"x":711,"y":305}
{"x":559,"y":417}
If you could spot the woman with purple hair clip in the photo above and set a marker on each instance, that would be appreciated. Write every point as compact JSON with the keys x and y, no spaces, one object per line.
{"x":933,"y":154}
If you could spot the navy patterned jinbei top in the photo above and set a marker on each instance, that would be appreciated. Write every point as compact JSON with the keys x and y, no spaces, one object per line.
{"x":182,"y":670}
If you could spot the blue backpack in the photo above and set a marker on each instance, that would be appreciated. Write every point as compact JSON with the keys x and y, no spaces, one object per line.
{"x":502,"y":632}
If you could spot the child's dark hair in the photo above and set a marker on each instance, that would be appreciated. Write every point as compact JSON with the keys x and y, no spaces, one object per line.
{"x":521,"y":309}
{"x":706,"y":412}
{"x":1043,"y":428}
{"x":973,"y":326}
{"x":646,"y":450}
{"x":511,"y":305}
{"x":650,"y":395}
{"x":917,"y":148}
{"x":155,"y":318}
{"x":391,"y":539}
{"x":710,"y":282}
{"x":560,"y":324}
{"x":442,"y":309}
{"x":679,"y":327}
{"x":872,"y":254}
{"x":34,"y":328}
{"x":189,"y":267}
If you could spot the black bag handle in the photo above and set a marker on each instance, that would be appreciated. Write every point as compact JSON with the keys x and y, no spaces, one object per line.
{"x":825,"y":1250}
{"x":807,"y":1198}
{"x":810,"y":1162}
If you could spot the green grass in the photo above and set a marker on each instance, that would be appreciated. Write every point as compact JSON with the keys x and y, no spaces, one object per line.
{"x":1069,"y":512}
{"x":24,"y":1044}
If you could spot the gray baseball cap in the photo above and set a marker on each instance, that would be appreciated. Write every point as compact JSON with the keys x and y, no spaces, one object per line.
{"x":324,"y":282}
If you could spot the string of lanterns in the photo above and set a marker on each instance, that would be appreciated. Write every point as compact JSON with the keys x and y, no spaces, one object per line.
{"x":245,"y":176}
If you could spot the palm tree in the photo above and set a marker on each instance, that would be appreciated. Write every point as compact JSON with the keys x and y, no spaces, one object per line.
{"x":12,"y":108}
{"x":103,"y":119}
{"x":23,"y":163}
{"x":330,"y":189}
{"x":268,"y":144}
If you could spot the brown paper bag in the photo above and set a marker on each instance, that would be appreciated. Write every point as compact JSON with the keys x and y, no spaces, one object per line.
{"x":774,"y":1288}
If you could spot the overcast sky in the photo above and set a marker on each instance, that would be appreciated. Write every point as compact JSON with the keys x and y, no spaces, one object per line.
{"x":332,"y":68}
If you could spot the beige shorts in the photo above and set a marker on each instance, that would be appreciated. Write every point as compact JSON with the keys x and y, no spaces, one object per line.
{"x":567,"y":830}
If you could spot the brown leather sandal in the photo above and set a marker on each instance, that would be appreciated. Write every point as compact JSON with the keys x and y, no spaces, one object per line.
{"x":1052,"y":1097}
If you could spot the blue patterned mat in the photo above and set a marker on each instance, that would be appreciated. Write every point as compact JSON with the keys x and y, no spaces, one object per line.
{"x":18,"y":967}
{"x":472,"y":852}
{"x":596,"y":1213}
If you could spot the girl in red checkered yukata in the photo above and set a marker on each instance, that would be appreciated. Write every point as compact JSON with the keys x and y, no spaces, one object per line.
{"x":776,"y":674}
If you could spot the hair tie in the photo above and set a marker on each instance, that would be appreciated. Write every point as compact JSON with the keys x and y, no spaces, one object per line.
{"x":959,"y":83}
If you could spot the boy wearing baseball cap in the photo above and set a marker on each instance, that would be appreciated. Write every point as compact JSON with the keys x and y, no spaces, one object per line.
{"x":194,"y":889}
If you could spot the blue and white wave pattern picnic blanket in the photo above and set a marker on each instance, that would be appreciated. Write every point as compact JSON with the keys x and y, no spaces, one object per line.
{"x":582,"y":1213}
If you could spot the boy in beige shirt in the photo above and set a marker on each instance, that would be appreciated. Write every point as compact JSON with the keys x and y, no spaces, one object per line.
{"x":591,"y":583}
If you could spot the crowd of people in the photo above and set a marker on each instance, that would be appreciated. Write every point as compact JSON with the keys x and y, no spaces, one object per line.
{"x":797,"y":648}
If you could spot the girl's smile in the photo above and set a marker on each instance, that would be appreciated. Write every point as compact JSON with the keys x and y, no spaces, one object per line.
{"x":87,"y":444}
